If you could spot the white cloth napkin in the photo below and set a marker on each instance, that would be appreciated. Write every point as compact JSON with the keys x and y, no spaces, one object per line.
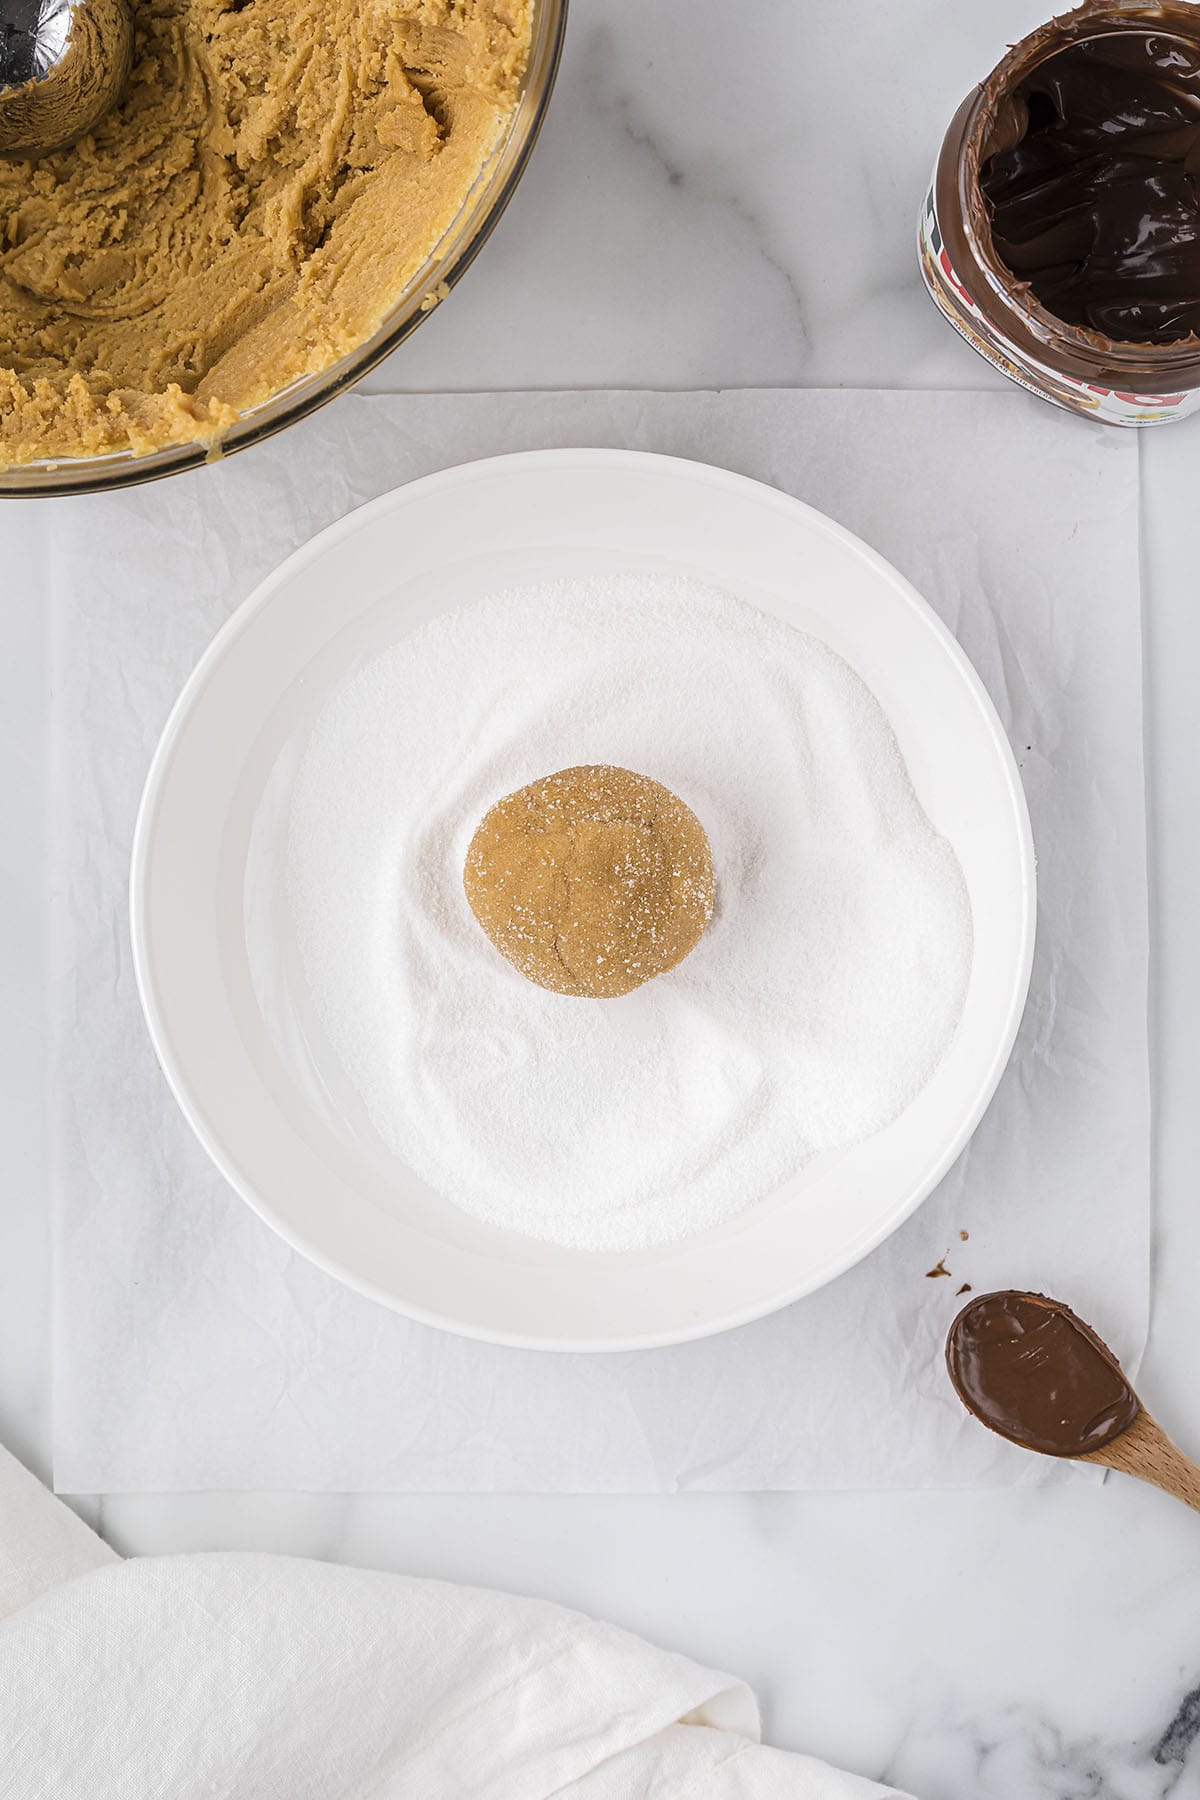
{"x":270,"y":1678}
{"x":194,"y":1350}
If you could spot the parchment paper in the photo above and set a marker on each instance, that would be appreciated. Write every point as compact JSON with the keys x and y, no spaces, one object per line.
{"x":195,"y":1351}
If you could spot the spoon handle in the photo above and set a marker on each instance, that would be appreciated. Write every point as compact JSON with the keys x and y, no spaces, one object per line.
{"x":1146,"y":1451}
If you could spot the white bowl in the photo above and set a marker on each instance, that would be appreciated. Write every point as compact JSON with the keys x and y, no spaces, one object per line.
{"x":365,"y":583}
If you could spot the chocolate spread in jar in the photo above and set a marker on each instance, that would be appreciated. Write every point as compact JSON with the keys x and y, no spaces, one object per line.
{"x":1061,"y":232}
{"x":1033,"y":1372}
{"x":1096,"y":201}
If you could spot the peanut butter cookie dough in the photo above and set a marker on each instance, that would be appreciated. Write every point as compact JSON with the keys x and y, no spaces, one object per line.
{"x":591,"y":881}
{"x":275,"y":173}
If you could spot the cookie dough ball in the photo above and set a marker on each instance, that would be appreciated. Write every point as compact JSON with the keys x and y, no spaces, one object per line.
{"x":591,"y":881}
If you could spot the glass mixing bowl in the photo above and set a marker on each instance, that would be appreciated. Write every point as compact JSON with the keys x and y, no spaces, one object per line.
{"x":430,"y":285}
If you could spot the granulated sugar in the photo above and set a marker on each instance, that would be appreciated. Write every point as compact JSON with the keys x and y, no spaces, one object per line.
{"x":815,"y":1008}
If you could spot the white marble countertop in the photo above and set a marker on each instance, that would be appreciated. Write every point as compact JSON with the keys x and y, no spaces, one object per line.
{"x":727,"y":196}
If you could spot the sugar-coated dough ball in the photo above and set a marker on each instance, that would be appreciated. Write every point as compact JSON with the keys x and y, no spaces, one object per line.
{"x":591,"y":881}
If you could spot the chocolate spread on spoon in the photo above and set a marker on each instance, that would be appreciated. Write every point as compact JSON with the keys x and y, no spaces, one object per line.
{"x":1032,"y":1371}
{"x":1093,"y":181}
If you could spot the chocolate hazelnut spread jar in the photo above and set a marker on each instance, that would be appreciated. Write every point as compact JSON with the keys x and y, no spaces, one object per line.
{"x":1061,"y":233}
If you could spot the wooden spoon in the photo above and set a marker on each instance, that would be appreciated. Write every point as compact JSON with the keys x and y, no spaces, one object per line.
{"x":1029,"y":1369}
{"x":1144,"y":1449}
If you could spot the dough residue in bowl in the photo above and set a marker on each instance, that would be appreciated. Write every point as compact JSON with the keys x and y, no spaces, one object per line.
{"x":275,"y":174}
